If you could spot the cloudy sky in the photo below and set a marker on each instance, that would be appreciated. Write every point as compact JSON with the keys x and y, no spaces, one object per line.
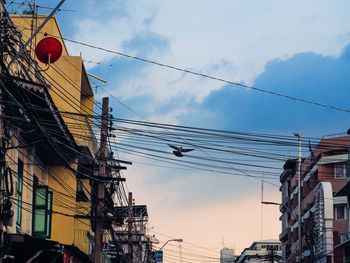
{"x":297,"y":48}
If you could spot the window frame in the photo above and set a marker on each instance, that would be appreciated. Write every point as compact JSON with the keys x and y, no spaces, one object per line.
{"x":344,"y":211}
{"x":343,"y":169}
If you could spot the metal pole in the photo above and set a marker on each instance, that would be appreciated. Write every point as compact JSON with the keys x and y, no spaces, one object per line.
{"x":299,"y":199}
{"x":35,"y":33}
{"x":130,"y":241}
{"x":101,"y":185}
{"x":262,"y":208}
{"x":180,"y":250}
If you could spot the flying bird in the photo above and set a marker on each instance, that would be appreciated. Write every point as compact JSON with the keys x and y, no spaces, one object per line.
{"x":179,"y":150}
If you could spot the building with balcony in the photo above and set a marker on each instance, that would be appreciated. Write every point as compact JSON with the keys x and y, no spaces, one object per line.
{"x":345,"y":236}
{"x":134,"y":240}
{"x":323,"y":217}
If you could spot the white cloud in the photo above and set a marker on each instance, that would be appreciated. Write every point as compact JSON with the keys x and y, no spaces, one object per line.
{"x":203,"y":34}
{"x":108,"y":26}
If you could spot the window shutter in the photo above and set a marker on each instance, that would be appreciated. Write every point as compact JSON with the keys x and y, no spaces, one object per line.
{"x":42,"y":211}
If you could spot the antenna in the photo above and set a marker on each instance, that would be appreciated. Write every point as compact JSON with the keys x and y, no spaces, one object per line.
{"x":98,"y":63}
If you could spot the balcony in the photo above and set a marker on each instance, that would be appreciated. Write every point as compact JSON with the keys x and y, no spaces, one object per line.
{"x":284,"y":235}
{"x":284,"y":204}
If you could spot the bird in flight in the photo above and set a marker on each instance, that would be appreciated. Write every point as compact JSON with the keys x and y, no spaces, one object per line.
{"x":179,"y":150}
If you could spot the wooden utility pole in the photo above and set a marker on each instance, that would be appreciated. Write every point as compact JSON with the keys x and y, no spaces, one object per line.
{"x":130,"y":241}
{"x":101,"y":185}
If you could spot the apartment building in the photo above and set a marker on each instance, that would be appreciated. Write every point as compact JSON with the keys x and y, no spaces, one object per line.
{"x":261,"y":251}
{"x":47,"y":145}
{"x":323,"y":218}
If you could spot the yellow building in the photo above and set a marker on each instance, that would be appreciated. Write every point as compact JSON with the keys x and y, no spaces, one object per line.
{"x":52,"y":187}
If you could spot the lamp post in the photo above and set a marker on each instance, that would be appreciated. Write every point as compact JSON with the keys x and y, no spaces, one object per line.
{"x":299,"y":197}
{"x":176,"y":240}
{"x":289,"y":211}
{"x":158,"y":254}
{"x":287,"y":208}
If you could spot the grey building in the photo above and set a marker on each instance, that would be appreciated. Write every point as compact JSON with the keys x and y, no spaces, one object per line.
{"x":227,"y":255}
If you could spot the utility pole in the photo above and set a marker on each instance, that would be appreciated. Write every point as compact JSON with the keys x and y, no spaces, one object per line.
{"x":272,"y":255}
{"x":299,"y":199}
{"x":130,"y":241}
{"x":262,"y":208}
{"x":101,"y":185}
{"x":148,"y":249}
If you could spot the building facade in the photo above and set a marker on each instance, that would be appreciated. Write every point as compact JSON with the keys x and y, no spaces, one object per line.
{"x":262,"y":251}
{"x":323,"y":219}
{"x":46,"y":146}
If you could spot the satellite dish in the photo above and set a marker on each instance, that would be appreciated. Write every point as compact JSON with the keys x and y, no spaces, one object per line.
{"x":48,"y":50}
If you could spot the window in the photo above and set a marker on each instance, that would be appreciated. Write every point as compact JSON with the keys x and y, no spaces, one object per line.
{"x":340,"y":212}
{"x":19,"y":191}
{"x":42,"y":210}
{"x":340,"y":170}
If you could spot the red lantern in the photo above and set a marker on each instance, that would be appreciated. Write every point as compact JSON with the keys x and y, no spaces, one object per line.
{"x":48,"y":50}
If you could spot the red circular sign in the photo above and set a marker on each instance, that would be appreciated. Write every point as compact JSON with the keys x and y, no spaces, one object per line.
{"x":48,"y":48}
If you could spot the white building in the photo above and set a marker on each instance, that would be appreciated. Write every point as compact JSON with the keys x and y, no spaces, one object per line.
{"x":261,"y":251}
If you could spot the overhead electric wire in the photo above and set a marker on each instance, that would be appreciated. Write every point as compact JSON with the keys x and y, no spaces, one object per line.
{"x":266,"y":167}
{"x":260,"y":156}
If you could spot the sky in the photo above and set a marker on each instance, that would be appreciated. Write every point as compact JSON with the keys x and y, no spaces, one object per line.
{"x":297,"y":48}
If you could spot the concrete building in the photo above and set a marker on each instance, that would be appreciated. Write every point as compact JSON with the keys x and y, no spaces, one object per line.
{"x":345,"y":237}
{"x":262,"y":251}
{"x":72,"y":95}
{"x":45,"y":151}
{"x":323,"y":217}
{"x":227,"y":255}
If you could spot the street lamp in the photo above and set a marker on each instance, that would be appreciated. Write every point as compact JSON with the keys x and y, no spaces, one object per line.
{"x":290,"y":212}
{"x":158,"y":254}
{"x":176,"y":240}
{"x":274,"y":203}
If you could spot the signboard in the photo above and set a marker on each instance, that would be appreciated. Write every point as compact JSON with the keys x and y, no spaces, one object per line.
{"x":158,"y":256}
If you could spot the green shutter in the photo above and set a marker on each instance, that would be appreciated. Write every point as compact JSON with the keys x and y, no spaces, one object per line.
{"x":42,"y":210}
{"x":19,"y":192}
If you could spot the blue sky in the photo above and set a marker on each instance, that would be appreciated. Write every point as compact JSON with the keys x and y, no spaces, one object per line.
{"x":298,"y":48}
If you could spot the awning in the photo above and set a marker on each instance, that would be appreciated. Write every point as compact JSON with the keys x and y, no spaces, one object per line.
{"x":344,"y":244}
{"x":24,"y":248}
{"x":344,"y":191}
